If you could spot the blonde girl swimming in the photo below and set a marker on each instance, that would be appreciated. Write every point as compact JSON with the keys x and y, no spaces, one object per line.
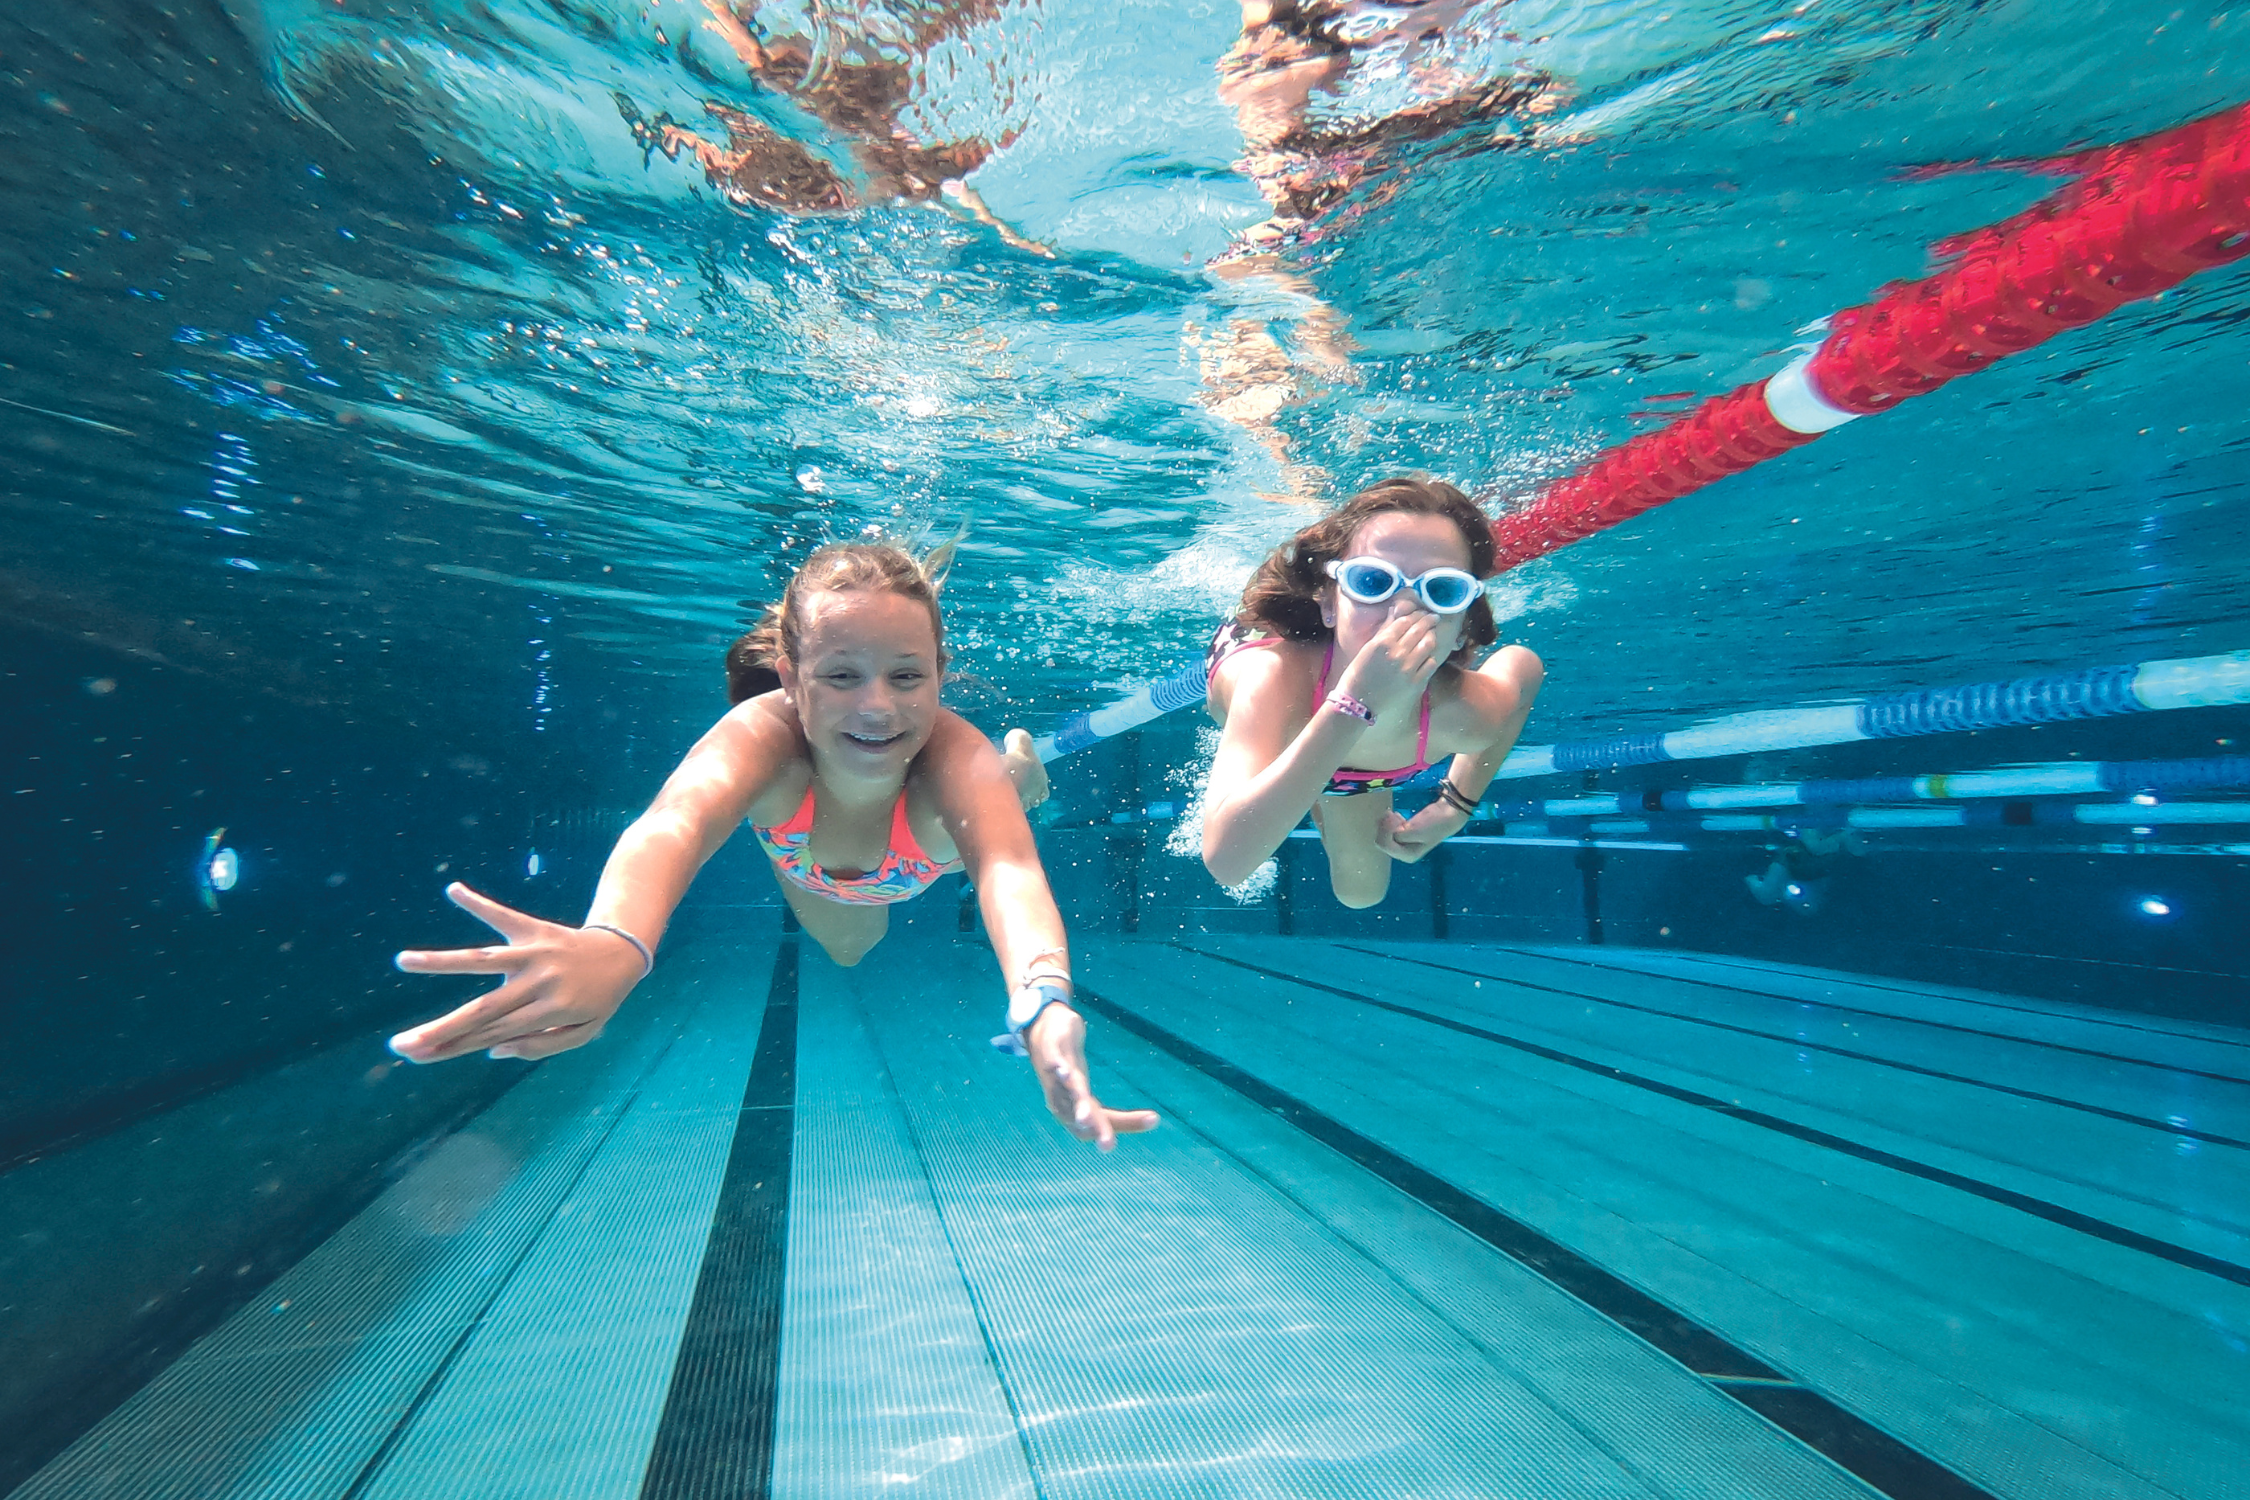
{"x":861,"y":790}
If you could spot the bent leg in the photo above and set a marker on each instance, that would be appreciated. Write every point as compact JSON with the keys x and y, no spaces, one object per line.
{"x":845,"y":933}
{"x":1359,"y":872}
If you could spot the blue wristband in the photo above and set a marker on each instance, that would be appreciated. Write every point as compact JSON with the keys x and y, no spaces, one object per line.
{"x":1026,"y":1005}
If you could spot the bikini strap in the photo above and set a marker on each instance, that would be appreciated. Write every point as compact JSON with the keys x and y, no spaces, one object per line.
{"x":903,"y":842}
{"x":800,"y":821}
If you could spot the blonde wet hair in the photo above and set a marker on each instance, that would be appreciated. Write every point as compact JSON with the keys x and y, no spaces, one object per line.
{"x":837,"y":568}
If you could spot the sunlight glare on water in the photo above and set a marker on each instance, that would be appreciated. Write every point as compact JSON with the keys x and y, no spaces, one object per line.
{"x":620,"y":307}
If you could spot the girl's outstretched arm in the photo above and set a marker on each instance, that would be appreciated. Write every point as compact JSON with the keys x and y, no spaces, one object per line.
{"x":979,"y":804}
{"x":564,"y":983}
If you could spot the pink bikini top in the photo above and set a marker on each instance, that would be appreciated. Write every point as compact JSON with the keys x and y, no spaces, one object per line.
{"x":905,"y":872}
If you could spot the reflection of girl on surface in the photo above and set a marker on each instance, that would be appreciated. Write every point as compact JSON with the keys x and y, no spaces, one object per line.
{"x":862,"y":791}
{"x":1350,"y":651}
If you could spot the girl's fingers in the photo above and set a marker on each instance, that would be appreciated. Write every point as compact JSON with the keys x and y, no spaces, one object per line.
{"x":442,"y":1038}
{"x":511,"y":924}
{"x":549,"y":1042}
{"x":1133,"y":1121}
{"x":460,"y":960}
{"x":527,"y":1019}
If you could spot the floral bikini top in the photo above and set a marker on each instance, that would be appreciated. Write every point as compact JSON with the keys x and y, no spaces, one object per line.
{"x":905,"y":872}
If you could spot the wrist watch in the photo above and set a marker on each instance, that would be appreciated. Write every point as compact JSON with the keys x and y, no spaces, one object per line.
{"x":1026,"y":1005}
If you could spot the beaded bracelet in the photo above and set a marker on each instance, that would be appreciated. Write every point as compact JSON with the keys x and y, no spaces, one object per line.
{"x":1345,"y":703}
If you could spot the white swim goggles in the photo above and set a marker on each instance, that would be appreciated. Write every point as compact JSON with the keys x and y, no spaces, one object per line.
{"x":1370,"y":580}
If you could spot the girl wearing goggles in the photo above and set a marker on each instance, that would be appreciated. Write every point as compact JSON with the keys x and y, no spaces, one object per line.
{"x":1353,"y":648}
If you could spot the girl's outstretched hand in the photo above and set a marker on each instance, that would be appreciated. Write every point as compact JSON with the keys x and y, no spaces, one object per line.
{"x":562,"y":986}
{"x":1058,"y":1053}
{"x":1393,"y":667}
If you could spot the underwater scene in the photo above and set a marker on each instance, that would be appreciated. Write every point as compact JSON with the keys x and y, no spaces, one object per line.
{"x":1492,"y":749}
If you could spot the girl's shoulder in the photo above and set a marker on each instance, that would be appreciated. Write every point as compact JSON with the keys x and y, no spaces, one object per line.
{"x":768,"y":729}
{"x":1257,"y":658}
{"x":1472,"y":703}
{"x":955,"y":749}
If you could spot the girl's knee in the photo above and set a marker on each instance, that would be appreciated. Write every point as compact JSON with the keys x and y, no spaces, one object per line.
{"x":1360,"y":890}
{"x":847,"y":950}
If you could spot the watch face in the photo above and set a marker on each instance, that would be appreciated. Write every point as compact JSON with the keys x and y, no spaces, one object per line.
{"x":1026,"y":1003}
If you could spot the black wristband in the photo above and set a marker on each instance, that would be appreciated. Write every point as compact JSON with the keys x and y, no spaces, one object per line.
{"x":1455,"y":798}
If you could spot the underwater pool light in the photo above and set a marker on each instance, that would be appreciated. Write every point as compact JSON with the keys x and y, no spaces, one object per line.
{"x":217,"y":869}
{"x":2156,"y":906}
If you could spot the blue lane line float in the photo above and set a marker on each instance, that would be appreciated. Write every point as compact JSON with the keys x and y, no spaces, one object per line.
{"x":2147,"y":779}
{"x":217,"y":869}
{"x":2095,"y":692}
{"x":1182,"y":688}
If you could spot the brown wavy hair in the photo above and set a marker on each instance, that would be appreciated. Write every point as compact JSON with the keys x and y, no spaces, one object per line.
{"x":1283,"y":596}
{"x":838,"y":568}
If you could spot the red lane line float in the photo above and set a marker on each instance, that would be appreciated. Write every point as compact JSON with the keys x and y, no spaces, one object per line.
{"x":2142,"y":217}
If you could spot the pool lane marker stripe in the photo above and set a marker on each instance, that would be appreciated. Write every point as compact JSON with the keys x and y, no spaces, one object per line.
{"x":717,"y":1432}
{"x":2144,"y":1121}
{"x":1861,"y":1449}
{"x":2053,"y":1213}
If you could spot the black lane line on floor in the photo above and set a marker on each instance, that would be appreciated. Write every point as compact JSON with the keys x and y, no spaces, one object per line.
{"x":715,"y":1440}
{"x":1868,"y":1453}
{"x":2053,"y":1213}
{"x":1887,"y":1015}
{"x":2144,"y":1121}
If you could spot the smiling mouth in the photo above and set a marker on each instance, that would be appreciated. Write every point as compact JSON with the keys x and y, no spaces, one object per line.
{"x":875,"y":742}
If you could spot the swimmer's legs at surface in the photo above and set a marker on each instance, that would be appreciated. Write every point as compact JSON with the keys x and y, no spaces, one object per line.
{"x":845,"y":933}
{"x":1359,"y":872}
{"x":1024,"y":769}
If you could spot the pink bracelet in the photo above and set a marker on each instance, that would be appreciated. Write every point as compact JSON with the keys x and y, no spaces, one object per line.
{"x":1345,"y":703}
